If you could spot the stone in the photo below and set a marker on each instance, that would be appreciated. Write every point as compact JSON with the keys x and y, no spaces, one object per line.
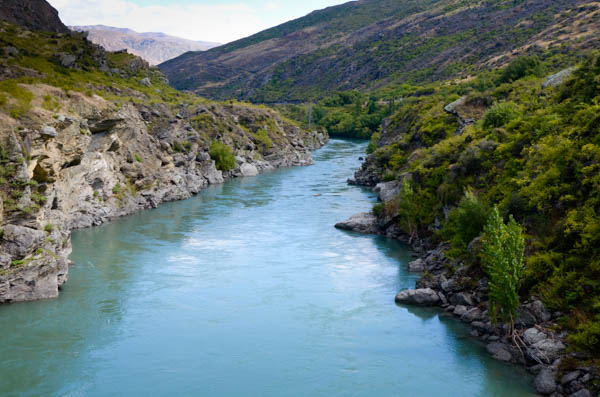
{"x":460,"y":310}
{"x":581,"y":393}
{"x":99,"y":126}
{"x":145,"y":82}
{"x":545,"y":382}
{"x":533,"y":336}
{"x":421,"y":297}
{"x":48,"y":131}
{"x":19,"y":241}
{"x":248,"y":169}
{"x":450,"y":285}
{"x":546,"y":350}
{"x":472,"y":315}
{"x":462,"y":298}
{"x":416,"y":266}
{"x":364,"y":222}
{"x":67,"y":60}
{"x":11,"y":51}
{"x":499,"y":351}
{"x":558,"y":78}
{"x":387,"y":191}
{"x":570,"y":377}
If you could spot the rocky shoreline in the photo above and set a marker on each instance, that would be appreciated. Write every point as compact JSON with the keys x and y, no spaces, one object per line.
{"x":461,"y":292}
{"x":98,"y":162}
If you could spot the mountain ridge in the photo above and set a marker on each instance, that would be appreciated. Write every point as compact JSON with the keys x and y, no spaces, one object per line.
{"x":154,"y":47}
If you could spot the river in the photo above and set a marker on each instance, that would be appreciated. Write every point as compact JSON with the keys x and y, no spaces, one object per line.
{"x":245,"y":289}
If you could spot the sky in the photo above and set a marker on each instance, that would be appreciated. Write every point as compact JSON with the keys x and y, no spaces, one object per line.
{"x":219,"y":21}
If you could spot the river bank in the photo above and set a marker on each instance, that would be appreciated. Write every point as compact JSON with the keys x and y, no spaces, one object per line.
{"x":461,"y":291}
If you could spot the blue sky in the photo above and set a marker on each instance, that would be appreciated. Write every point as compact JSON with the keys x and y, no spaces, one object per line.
{"x":219,"y":21}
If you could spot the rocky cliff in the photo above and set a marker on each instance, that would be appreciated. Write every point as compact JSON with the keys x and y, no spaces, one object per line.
{"x":87,"y":136}
{"x":33,"y":14}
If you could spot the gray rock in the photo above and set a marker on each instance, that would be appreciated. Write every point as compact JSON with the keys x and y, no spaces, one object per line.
{"x":248,"y":169}
{"x":500,"y":351}
{"x":450,"y":285}
{"x":546,"y":350}
{"x":387,"y":191}
{"x":545,"y":381}
{"x":472,"y":315}
{"x":462,"y":298}
{"x":570,"y":377}
{"x":422,"y":297}
{"x":19,"y":241}
{"x":99,"y":126}
{"x":145,"y":82}
{"x":533,"y":336}
{"x":558,"y":78}
{"x":581,"y":393}
{"x":364,"y":222}
{"x":460,"y":310}
{"x":11,"y":51}
{"x":67,"y":60}
{"x":416,"y":266}
{"x":48,"y":131}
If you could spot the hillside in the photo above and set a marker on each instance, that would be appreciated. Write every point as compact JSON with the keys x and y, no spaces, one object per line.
{"x":374,"y":42}
{"x":153,"y":47}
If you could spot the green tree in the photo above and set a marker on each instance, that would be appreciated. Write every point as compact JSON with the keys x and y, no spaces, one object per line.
{"x":502,"y":260}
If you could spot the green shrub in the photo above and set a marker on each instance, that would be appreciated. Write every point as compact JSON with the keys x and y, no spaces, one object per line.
{"x":263,"y":139}
{"x":501,"y":114}
{"x":48,"y":228}
{"x":51,"y":103}
{"x":521,"y":67}
{"x":466,"y":221}
{"x":222,"y":155}
{"x":502,"y":260}
{"x":138,"y":158}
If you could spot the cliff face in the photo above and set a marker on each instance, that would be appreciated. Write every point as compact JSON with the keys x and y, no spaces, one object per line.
{"x":87,"y":136}
{"x":32,"y":14}
{"x":96,"y":162}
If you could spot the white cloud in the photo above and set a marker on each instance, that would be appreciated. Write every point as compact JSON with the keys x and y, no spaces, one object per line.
{"x":218,"y":23}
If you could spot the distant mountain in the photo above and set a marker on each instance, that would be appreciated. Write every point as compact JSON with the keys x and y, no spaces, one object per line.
{"x":153,"y":47}
{"x":365,"y":43}
{"x":32,"y":14}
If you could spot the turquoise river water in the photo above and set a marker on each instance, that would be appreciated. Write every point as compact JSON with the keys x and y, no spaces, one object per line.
{"x":245,"y":290}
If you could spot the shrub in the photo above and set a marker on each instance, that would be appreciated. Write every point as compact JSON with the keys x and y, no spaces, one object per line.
{"x":500,"y":114}
{"x":222,"y":155}
{"x":263,"y":139}
{"x":138,"y":158}
{"x":466,"y":221}
{"x":521,"y":67}
{"x":502,"y":260}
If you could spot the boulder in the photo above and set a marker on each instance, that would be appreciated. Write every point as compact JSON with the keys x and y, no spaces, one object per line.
{"x":558,"y":78}
{"x":248,"y":169}
{"x":570,"y":377}
{"x":500,"y":351}
{"x":545,"y":382}
{"x":533,"y":336}
{"x":99,"y":126}
{"x":462,"y":298}
{"x":48,"y":131}
{"x":416,"y":266}
{"x":364,"y":222}
{"x":145,"y":82}
{"x":386,"y":191}
{"x":460,"y":310}
{"x":546,"y":350}
{"x":581,"y":393}
{"x":421,"y":297}
{"x":472,"y":315}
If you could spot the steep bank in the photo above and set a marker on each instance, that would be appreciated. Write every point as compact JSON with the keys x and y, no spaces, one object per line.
{"x":88,"y":136}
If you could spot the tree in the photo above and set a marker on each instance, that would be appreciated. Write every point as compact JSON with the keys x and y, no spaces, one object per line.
{"x":502,"y":260}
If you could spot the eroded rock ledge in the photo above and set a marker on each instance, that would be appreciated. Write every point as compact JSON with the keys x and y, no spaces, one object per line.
{"x":96,"y":161}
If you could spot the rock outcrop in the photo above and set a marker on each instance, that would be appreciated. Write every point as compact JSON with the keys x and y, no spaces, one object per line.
{"x":95,"y":161}
{"x":32,"y":14}
{"x":364,"y":222}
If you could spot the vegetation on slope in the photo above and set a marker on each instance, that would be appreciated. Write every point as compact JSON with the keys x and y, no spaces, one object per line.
{"x":535,"y":153}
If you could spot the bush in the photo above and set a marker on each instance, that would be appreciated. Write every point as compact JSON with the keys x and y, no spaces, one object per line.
{"x":466,"y":221}
{"x":502,"y":260}
{"x":521,"y":67}
{"x":263,"y":140}
{"x":501,"y":114}
{"x":222,"y":155}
